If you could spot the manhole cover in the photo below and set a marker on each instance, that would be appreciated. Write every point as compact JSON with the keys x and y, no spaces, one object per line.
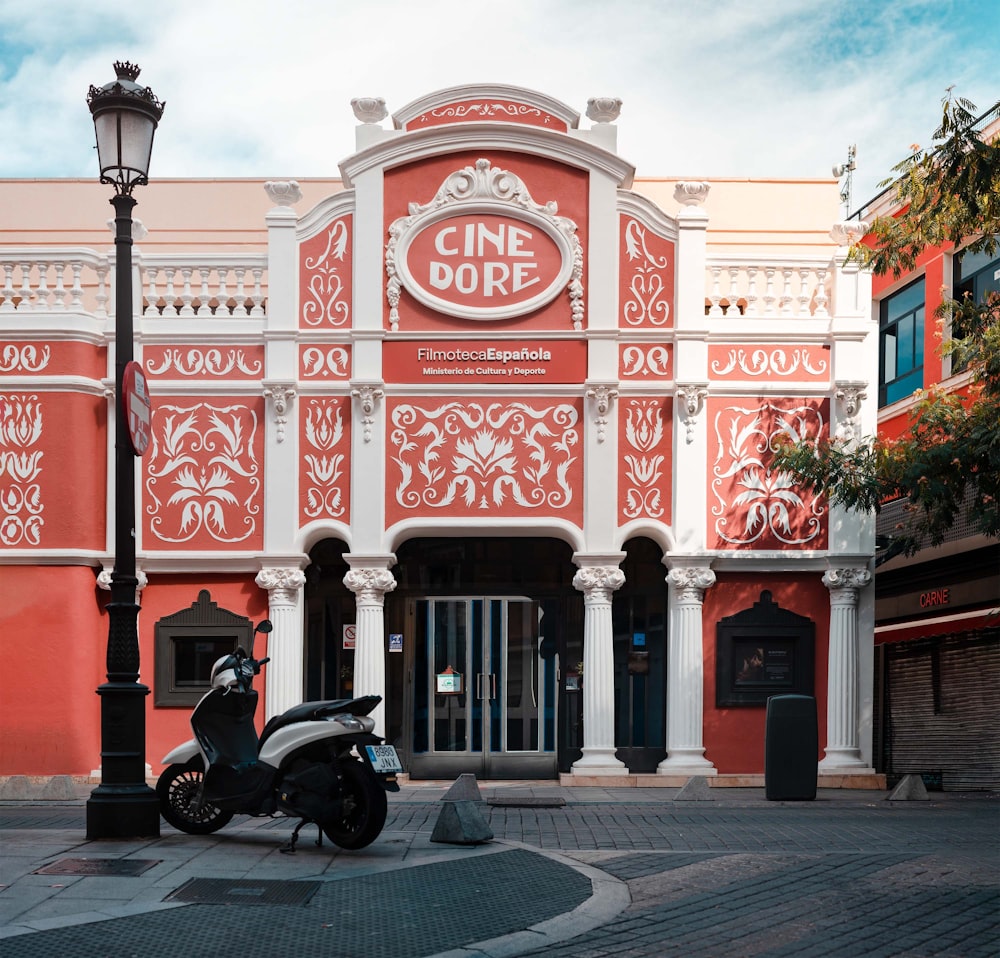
{"x":529,"y":801}
{"x":221,"y":891}
{"x":116,"y":867}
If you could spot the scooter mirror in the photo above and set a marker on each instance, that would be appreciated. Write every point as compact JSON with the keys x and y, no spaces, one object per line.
{"x":264,"y":626}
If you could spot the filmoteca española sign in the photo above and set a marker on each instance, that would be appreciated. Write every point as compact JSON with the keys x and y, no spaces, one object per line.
{"x":483,"y":249}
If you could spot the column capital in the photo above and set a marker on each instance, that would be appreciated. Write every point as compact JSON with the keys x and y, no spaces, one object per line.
{"x":598,"y":582}
{"x":848,"y":580}
{"x":691,"y":581}
{"x":370,"y":585}
{"x":282,"y":585}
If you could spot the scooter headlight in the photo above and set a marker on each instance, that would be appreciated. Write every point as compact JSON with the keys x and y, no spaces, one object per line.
{"x":356,"y":723}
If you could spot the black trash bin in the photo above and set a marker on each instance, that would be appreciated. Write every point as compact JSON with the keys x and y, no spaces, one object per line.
{"x":791,"y":744}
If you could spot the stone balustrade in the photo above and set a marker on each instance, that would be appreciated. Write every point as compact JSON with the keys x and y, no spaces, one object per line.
{"x":757,"y":287}
{"x":76,"y":280}
{"x":230,"y":284}
{"x":70,"y":280}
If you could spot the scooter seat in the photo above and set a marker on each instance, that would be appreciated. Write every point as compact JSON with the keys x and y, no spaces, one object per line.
{"x":317,"y":711}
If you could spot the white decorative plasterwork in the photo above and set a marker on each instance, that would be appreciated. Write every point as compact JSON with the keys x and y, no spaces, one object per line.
{"x":644,"y":431}
{"x":769,"y":362}
{"x":486,"y":110}
{"x":325,"y":361}
{"x":691,"y":582}
{"x":769,"y":505}
{"x":281,"y":395}
{"x":282,"y":585}
{"x":848,"y":232}
{"x":640,"y":360}
{"x":192,"y":361}
{"x":604,"y":109}
{"x":691,"y":398}
{"x":849,"y":580}
{"x":486,"y":190}
{"x":324,"y":466}
{"x":369,"y":109}
{"x":602,"y":397}
{"x":691,"y":193}
{"x":484,"y":455}
{"x":20,"y":467}
{"x":283,"y":192}
{"x":597,"y":583}
{"x":104,"y":579}
{"x":648,"y":297}
{"x":139,"y":231}
{"x":27,"y":358}
{"x":850,"y":396}
{"x":368,"y":395}
{"x":205,"y":454}
{"x":324,"y":299}
{"x":370,"y":585}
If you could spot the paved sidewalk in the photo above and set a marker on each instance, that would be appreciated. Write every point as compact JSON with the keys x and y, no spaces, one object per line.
{"x":581,"y":872}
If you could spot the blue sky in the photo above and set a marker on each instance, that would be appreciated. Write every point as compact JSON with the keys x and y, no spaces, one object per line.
{"x":710,"y":87}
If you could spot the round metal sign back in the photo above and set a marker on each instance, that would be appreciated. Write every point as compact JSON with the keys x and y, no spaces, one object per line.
{"x":138,"y":408}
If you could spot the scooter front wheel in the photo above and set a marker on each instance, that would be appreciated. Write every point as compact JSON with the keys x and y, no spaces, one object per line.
{"x":177,"y":789}
{"x":363,"y":811}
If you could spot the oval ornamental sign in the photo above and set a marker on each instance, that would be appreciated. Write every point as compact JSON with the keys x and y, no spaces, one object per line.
{"x":482,"y":249}
{"x":480,"y":265}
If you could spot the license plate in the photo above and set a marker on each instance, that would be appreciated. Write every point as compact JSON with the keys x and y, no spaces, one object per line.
{"x":383,"y":758}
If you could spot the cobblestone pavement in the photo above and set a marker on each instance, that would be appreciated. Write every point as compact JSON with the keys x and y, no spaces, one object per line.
{"x":624,"y":876}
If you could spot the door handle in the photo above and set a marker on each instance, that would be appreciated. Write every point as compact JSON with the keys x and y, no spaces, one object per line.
{"x":493,"y":685}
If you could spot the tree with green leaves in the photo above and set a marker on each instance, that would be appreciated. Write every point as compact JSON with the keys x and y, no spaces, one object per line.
{"x":948,"y":459}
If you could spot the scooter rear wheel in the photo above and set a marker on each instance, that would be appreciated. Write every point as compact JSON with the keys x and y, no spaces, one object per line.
{"x":177,"y":789}
{"x":363,"y":811}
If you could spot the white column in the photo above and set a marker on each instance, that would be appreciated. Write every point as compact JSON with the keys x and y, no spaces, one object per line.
{"x":597,"y":584}
{"x":369,"y":579}
{"x":685,"y":673}
{"x":843,"y":751}
{"x":283,"y":674}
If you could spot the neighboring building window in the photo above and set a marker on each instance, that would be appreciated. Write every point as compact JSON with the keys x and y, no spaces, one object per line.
{"x":976,"y":274}
{"x":901,"y":343}
{"x":187,"y":645}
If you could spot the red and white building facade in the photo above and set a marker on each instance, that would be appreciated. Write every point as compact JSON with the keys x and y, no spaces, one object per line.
{"x":483,"y":426}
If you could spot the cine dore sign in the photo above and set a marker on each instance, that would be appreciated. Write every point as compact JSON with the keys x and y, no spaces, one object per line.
{"x":483,"y":250}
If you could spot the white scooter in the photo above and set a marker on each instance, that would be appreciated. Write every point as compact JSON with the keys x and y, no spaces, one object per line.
{"x":319,"y":762}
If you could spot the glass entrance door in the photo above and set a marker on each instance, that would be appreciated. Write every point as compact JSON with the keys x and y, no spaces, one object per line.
{"x":484,"y":689}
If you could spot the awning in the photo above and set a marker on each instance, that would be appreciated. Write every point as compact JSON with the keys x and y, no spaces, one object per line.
{"x":938,"y":625}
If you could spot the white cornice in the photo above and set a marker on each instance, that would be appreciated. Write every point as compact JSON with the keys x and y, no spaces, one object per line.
{"x":323,"y":212}
{"x":484,"y":137}
{"x":648,"y":213}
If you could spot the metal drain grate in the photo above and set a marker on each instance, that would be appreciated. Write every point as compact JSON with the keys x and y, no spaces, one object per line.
{"x":115,"y":867}
{"x":222,"y":891}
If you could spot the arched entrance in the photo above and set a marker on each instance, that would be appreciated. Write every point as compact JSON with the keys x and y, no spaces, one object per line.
{"x":491,"y":631}
{"x":639,"y":617}
{"x":329,"y":607}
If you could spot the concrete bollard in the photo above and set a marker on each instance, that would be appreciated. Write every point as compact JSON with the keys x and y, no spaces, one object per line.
{"x":461,"y":823}
{"x":465,"y":789}
{"x":910,"y":789}
{"x":696,"y":789}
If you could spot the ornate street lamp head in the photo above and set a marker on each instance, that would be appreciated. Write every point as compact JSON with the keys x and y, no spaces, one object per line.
{"x":125,"y":118}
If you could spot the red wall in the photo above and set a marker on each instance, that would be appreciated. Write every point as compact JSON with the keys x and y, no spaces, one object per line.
{"x":165,"y":595}
{"x":734,"y":737}
{"x":51,"y":724}
{"x":49,"y":712}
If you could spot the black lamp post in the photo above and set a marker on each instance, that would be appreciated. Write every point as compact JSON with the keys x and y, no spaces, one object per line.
{"x":123,"y":805}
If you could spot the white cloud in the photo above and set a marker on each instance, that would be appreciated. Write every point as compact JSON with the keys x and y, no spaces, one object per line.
{"x":773,"y":88}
